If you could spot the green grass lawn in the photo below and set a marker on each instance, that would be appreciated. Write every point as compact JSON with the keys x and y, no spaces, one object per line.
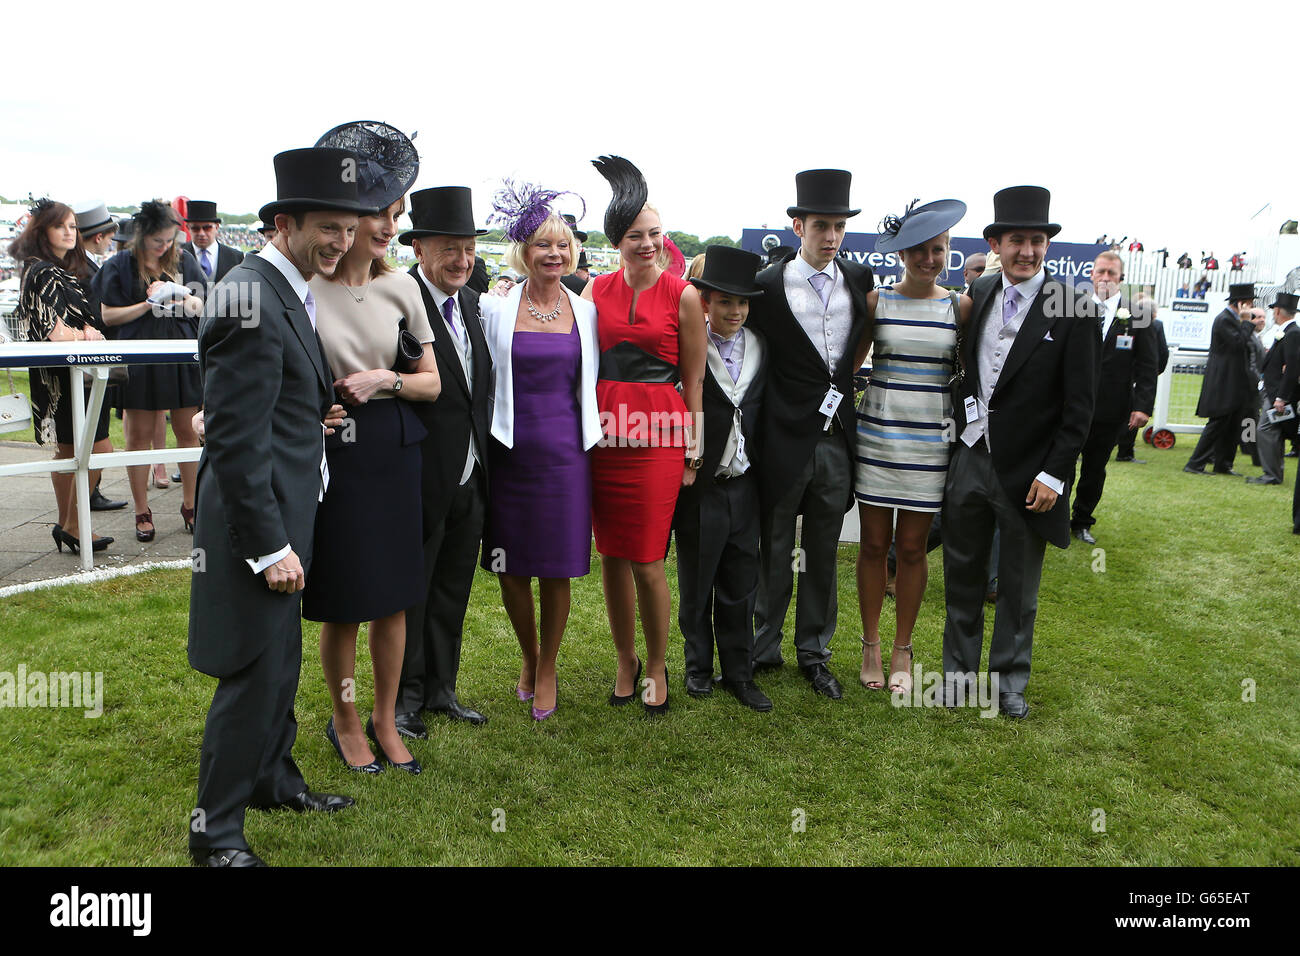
{"x":1137,"y":698}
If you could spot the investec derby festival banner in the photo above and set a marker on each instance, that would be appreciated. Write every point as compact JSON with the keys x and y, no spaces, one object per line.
{"x":1187,"y":322}
{"x":1068,"y":261}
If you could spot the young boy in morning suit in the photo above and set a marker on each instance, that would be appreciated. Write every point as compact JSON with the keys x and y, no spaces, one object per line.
{"x":716,"y":521}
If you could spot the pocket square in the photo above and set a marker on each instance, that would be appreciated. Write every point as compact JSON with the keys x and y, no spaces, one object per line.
{"x":1047,"y":337}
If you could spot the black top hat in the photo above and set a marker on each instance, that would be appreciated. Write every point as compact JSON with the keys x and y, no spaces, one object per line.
{"x":441,"y":211}
{"x":200,"y":210}
{"x":1287,"y":301}
{"x":779,"y":254}
{"x":1021,"y":207}
{"x":1241,"y":290}
{"x":919,"y":224}
{"x":822,"y":191}
{"x":582,"y":260}
{"x":573,"y":225}
{"x":729,"y":270}
{"x":317,"y":177}
{"x":125,"y":229}
{"x":389,"y":162}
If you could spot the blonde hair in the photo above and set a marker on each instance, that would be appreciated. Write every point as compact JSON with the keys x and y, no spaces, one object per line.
{"x":697,"y":267}
{"x":552,"y":226}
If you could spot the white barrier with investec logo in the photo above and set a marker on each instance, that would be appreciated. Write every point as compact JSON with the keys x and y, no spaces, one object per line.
{"x":93,"y":360}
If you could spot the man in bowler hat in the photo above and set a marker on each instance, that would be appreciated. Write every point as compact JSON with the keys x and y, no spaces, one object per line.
{"x":454,"y":492}
{"x":269,"y":400}
{"x":1023,"y":407}
{"x":812,"y":313}
{"x":1228,"y":386}
{"x":214,"y":258}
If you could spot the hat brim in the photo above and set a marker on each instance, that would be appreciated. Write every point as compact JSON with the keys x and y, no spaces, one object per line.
{"x":922,"y":224}
{"x":203,"y":219}
{"x":701,"y":283}
{"x":998,"y":228}
{"x":108,"y":225}
{"x":798,"y":212}
{"x":268,"y":212}
{"x":406,"y":238}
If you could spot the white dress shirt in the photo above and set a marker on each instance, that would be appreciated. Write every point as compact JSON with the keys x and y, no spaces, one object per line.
{"x":1109,"y":308}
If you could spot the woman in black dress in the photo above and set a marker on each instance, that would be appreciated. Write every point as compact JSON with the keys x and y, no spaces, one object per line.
{"x":54,"y":307}
{"x":148,"y":291}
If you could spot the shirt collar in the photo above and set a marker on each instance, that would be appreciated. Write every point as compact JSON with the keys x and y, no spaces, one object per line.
{"x":1027,"y":289}
{"x":290,"y":271}
{"x":439,"y":297}
{"x":722,"y":342}
{"x":805,"y":271}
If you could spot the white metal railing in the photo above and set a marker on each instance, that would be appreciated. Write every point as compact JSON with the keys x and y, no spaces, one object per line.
{"x":93,"y":360}
{"x":1145,"y":268}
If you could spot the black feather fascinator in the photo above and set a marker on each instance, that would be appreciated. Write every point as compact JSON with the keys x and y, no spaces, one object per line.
{"x":630,"y":194}
{"x":154,"y":216}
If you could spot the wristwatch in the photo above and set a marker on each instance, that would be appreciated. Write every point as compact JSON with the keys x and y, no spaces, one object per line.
{"x":397,"y":381}
{"x":694,"y":463}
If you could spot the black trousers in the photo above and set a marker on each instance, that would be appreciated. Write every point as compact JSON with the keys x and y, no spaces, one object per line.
{"x":247,"y":743}
{"x":1127,"y":444}
{"x":717,"y":579}
{"x":1102,"y":437}
{"x":433,"y":627}
{"x":1218,"y":443}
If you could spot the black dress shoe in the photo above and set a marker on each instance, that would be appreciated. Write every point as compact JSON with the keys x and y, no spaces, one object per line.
{"x":1231,"y":471}
{"x":99,"y":503}
{"x":657,"y":710}
{"x":1193,"y":471}
{"x":1013,"y":705}
{"x":699,"y":686}
{"x":410,"y":725}
{"x":1262,"y":480}
{"x":1085,"y":535}
{"x":762,"y":667}
{"x":309,"y":801}
{"x":747,"y":692}
{"x":620,"y":700}
{"x":822,"y":680}
{"x":176,"y":476}
{"x":204,"y":856}
{"x":455,"y":711}
{"x":1133,"y":461}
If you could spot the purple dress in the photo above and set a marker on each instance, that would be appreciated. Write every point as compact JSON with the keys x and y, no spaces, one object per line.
{"x":539,"y":492}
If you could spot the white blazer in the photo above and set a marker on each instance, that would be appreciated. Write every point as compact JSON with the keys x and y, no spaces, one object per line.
{"x":497,"y":314}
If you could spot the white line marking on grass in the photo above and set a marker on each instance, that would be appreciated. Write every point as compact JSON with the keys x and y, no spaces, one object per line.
{"x":93,"y":577}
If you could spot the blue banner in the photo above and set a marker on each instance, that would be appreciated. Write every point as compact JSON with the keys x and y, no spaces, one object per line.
{"x":1068,"y":261}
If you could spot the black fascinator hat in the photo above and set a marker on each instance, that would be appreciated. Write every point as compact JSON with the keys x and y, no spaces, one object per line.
{"x":630,"y":194}
{"x":154,"y":216}
{"x":388,"y":163}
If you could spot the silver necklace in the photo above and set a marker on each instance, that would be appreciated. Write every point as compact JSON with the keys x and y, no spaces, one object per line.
{"x":539,"y":316}
{"x":357,"y":298}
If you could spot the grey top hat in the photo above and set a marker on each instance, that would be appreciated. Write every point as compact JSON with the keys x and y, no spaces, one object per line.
{"x":93,"y":218}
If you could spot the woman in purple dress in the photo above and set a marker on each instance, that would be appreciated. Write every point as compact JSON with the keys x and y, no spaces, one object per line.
{"x":545,"y":356}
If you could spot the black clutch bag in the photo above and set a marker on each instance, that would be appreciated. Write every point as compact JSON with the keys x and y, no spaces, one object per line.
{"x":409,"y":349}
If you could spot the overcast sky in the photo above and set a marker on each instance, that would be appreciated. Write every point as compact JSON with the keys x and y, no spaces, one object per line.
{"x":1169,"y":124}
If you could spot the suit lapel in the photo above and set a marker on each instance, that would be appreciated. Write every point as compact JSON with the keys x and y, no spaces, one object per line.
{"x":783,"y":312}
{"x":1035,"y":326}
{"x":442,"y":343}
{"x":299,"y":321}
{"x":978,"y":316}
{"x":478,"y":341}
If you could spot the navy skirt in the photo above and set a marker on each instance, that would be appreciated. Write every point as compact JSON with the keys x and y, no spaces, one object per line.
{"x":368,"y":560}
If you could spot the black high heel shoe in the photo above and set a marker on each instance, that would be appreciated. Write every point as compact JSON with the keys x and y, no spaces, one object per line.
{"x":615,"y":700}
{"x":412,"y":766}
{"x":373,"y":767}
{"x":654,"y":710}
{"x":62,"y":537}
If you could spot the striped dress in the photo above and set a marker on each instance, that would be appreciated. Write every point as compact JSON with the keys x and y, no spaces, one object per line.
{"x":902,"y":446}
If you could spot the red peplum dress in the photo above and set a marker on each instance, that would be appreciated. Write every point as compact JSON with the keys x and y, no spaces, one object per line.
{"x":637,"y":467}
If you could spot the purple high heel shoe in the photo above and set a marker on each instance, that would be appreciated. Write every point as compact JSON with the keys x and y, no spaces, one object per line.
{"x":523,"y":694}
{"x":543,"y":714}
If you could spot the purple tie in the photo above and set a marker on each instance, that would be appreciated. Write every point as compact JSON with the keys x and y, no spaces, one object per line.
{"x":448,"y":311}
{"x":1010,"y":298}
{"x":309,"y":304}
{"x":819,"y":281}
{"x":207,"y":263}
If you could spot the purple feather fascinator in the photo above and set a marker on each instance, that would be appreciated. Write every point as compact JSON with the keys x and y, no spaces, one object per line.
{"x":520,"y":208}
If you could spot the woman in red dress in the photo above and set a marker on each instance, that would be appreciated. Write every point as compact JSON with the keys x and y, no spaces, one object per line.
{"x":651,"y":330}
